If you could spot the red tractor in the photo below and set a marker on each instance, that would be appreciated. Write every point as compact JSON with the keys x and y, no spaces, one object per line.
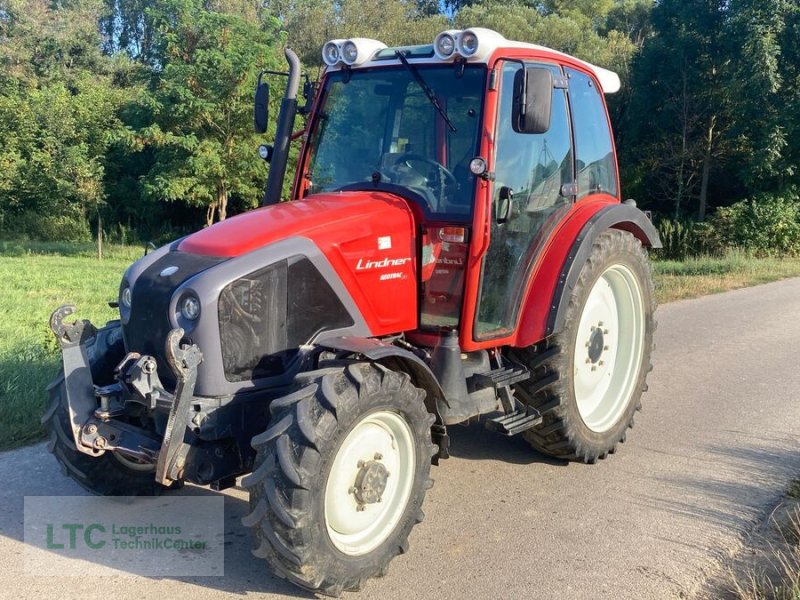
{"x":454,"y":247}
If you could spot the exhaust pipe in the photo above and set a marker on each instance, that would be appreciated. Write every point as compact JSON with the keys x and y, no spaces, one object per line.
{"x":283,"y":133}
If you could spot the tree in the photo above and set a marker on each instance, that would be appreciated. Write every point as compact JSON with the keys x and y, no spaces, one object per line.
{"x":204,"y":151}
{"x":757,"y":84}
{"x":58,"y":106}
{"x":680,"y":114}
{"x":311,"y":23}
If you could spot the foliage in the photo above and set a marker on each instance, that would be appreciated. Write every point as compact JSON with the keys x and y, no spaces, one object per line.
{"x":139,"y":111}
{"x":679,"y":239}
{"x":201,"y":105}
{"x":58,"y":107}
{"x":712,"y":106}
{"x":766,"y":225}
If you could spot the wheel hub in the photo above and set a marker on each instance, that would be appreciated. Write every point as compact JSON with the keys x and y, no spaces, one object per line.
{"x":596,"y":344}
{"x":371,"y":482}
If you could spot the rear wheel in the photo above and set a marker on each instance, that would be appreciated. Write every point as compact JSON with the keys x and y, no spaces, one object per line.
{"x":340,"y":476}
{"x":587,"y":380}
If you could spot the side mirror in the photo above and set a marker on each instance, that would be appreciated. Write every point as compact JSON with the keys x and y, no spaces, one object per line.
{"x":533,"y":100}
{"x":261,"y":108}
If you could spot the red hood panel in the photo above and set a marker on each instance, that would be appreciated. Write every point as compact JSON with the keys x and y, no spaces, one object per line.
{"x":369,"y":238}
{"x":252,"y":230}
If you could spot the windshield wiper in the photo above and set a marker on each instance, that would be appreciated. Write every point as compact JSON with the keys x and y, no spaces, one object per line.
{"x":425,"y":88}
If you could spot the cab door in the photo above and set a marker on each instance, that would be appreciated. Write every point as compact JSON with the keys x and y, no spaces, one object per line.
{"x":533,"y":189}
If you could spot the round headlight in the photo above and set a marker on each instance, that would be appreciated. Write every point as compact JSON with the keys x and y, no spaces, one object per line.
{"x":445,"y":45}
{"x":469,"y":43}
{"x":330,"y":53}
{"x":190,"y":308}
{"x":477,"y":166}
{"x":350,"y":52}
{"x":125,"y":297}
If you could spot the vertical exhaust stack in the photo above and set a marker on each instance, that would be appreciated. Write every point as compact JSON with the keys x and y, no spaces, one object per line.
{"x":283,"y":132}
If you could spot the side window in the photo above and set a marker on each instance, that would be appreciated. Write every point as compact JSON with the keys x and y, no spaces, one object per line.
{"x":533,"y":167}
{"x":593,"y":146}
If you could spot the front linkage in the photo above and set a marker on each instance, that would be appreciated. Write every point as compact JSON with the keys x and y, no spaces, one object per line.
{"x":93,"y":410}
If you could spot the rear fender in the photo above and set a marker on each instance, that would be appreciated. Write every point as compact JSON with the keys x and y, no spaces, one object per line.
{"x":546,"y":305}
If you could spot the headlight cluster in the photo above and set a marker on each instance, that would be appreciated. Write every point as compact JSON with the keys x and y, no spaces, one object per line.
{"x":125,"y":296}
{"x":190,"y":307}
{"x":350,"y":52}
{"x":472,"y":43}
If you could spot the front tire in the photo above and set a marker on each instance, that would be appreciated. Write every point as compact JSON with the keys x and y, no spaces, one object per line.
{"x":587,"y":380}
{"x":340,"y":476}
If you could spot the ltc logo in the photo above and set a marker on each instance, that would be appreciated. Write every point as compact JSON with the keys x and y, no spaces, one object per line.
{"x":88,"y":532}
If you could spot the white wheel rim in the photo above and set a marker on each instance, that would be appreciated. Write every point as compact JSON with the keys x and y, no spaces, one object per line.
{"x":608,"y":348}
{"x":355,"y":526}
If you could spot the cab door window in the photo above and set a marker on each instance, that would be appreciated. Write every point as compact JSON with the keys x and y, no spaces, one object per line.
{"x":530,"y":173}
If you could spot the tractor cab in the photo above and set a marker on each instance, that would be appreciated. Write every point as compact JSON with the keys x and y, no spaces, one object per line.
{"x":492,"y":144}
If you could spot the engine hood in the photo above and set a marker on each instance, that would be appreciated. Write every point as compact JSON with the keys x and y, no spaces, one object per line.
{"x":349,"y":214}
{"x":367,"y":237}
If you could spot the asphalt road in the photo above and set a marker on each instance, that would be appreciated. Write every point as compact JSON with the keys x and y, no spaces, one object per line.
{"x":710,"y":455}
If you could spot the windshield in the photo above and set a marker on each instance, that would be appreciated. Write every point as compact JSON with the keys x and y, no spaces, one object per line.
{"x":379,"y":130}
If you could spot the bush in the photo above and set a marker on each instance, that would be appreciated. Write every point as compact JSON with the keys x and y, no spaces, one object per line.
{"x":680,"y":239}
{"x":766,"y":225}
{"x":52,"y":228}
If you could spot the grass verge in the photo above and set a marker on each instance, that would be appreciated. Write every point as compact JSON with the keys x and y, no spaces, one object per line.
{"x":39,"y":277}
{"x":36,"y":279}
{"x":676,"y":280}
{"x":770,"y":567}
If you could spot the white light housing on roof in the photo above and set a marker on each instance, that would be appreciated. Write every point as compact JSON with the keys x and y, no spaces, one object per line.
{"x":332,"y":52}
{"x":445,"y":44}
{"x":359,"y":50}
{"x":478,"y":42}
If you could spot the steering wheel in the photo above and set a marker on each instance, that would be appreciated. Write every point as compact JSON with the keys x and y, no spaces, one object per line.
{"x":410,"y":156}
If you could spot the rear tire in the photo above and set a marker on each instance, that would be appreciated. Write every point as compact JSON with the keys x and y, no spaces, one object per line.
{"x":588,"y":379}
{"x":104,"y":475}
{"x":345,"y":438}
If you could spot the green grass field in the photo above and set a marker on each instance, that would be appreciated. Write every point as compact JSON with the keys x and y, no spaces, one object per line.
{"x":34,"y":280}
{"x":37,"y":278}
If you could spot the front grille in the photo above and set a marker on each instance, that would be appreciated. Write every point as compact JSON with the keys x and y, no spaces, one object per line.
{"x":265,"y":316}
{"x":146,"y":330}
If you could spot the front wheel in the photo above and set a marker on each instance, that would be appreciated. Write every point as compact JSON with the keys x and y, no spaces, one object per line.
{"x":340,"y":476}
{"x":588,"y":380}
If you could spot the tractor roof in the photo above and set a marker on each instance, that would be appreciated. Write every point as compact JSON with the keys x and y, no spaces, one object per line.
{"x":475,"y":45}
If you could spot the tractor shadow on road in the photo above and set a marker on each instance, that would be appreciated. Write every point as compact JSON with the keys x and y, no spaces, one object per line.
{"x":475,"y":442}
{"x":737,"y":494}
{"x":36,"y":474}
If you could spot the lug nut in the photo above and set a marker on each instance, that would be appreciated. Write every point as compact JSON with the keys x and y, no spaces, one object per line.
{"x":605,"y":331}
{"x":594,"y":368}
{"x":605,"y":348}
{"x":361,"y":507}
{"x":600,"y":363}
{"x":352,"y":490}
{"x":378,"y":456}
{"x":360,"y":464}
